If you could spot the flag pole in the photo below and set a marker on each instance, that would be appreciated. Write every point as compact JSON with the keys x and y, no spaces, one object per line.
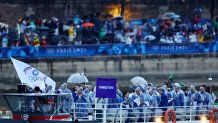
{"x":210,"y":79}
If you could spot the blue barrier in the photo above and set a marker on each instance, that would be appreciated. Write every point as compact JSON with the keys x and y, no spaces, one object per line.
{"x":113,"y":49}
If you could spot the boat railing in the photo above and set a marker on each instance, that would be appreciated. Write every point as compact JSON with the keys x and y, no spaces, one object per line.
{"x":122,"y":113}
{"x":119,"y":112}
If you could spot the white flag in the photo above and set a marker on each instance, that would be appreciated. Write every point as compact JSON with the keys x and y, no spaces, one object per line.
{"x":31,"y":76}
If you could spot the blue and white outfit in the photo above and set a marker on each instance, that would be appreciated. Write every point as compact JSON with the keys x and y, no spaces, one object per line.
{"x":115,"y":102}
{"x":178,"y":99}
{"x":67,"y":101}
{"x":212,"y":98}
{"x":168,"y":94}
{"x":152,"y":100}
{"x":205,"y":97}
{"x":164,"y":101}
{"x":137,"y":99}
{"x":137,"y":102}
{"x":82,"y":104}
{"x":90,"y":94}
{"x":194,"y":99}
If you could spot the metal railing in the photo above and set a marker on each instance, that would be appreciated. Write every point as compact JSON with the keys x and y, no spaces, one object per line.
{"x":119,"y":113}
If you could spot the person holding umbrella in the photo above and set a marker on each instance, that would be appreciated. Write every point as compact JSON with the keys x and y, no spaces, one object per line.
{"x":152,"y":99}
{"x":137,"y":99}
{"x":82,"y":103}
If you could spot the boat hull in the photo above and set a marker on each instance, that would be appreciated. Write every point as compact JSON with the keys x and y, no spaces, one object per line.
{"x":40,"y":121}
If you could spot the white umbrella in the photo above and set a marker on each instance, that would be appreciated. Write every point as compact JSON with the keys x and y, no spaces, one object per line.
{"x":130,"y":34}
{"x":138,"y":81}
{"x":175,"y":16}
{"x":169,"y":13}
{"x":150,"y":37}
{"x":78,"y":78}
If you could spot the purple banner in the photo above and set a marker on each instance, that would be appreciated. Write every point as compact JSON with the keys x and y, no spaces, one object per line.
{"x":106,"y":88}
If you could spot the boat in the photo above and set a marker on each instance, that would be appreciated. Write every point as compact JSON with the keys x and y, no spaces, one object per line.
{"x":37,"y":108}
{"x":48,"y":108}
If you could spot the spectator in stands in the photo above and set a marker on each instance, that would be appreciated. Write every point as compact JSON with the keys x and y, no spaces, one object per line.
{"x":27,"y":40}
{"x":78,"y":37}
{"x":43,"y":41}
{"x":192,"y":38}
{"x":163,"y":39}
{"x":214,"y":25}
{"x":4,"y":41}
{"x":165,"y":30}
{"x":178,"y":38}
{"x":36,"y":41}
{"x":102,"y":33}
{"x":71,"y":34}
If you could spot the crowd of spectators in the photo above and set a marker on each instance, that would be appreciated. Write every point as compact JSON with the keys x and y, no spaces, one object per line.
{"x":101,"y":29}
